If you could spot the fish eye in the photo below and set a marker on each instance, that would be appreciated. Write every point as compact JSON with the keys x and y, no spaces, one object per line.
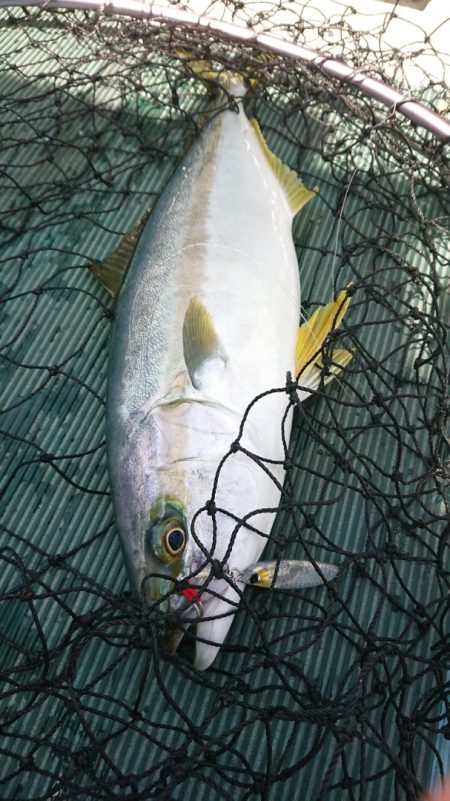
{"x":174,"y":540}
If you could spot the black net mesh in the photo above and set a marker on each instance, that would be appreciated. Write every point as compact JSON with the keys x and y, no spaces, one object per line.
{"x":338,"y":693}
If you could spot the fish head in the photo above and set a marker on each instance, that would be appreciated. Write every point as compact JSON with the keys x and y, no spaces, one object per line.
{"x":185,"y":513}
{"x":186,"y":573}
{"x":164,"y":538}
{"x":195,"y":549}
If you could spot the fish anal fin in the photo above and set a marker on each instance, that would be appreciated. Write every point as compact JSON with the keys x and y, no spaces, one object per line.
{"x":296,"y":192}
{"x":111,"y":270}
{"x":200,"y":341}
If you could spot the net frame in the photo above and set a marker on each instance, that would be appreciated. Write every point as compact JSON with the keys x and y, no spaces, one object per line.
{"x":413,"y":109}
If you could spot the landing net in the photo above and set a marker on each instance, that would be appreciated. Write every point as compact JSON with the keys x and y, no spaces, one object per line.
{"x":338,"y":693}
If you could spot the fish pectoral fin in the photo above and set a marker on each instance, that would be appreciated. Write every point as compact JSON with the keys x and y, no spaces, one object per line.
{"x":311,"y":336}
{"x":296,"y":192}
{"x":200,"y":341}
{"x":111,"y":270}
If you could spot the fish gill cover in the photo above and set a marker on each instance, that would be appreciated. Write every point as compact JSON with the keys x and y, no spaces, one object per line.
{"x":338,"y":693}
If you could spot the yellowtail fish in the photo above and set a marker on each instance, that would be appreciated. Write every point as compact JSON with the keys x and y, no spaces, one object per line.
{"x":207,"y":319}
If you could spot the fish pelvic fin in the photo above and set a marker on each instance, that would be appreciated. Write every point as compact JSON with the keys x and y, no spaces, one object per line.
{"x":296,"y":192}
{"x":310,"y":338}
{"x":111,"y":270}
{"x":200,"y":341}
{"x":321,"y":376}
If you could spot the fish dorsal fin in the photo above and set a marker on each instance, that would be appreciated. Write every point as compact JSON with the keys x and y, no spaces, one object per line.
{"x":296,"y":192}
{"x":310,"y":338}
{"x":200,"y":341}
{"x":111,"y":270}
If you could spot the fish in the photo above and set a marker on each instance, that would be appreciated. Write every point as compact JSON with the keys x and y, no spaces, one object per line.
{"x":206,"y":330}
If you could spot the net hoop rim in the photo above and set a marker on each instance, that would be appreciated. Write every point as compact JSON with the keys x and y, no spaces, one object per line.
{"x":394,"y":99}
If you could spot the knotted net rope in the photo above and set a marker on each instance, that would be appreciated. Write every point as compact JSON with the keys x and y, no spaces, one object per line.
{"x":338,"y":693}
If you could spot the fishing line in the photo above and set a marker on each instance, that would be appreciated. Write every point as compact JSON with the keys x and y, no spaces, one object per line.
{"x":333,"y":265}
{"x":341,"y":212}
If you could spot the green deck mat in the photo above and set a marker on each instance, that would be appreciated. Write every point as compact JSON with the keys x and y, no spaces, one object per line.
{"x":316,"y":694}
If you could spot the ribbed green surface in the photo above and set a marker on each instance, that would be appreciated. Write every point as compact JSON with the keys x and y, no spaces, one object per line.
{"x":61,"y":412}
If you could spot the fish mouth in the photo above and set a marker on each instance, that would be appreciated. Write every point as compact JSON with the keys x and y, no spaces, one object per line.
{"x":189,"y":615}
{"x":211,"y":610}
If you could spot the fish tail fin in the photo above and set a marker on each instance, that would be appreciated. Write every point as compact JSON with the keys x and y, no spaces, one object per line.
{"x":232,"y":82}
{"x":311,"y":336}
